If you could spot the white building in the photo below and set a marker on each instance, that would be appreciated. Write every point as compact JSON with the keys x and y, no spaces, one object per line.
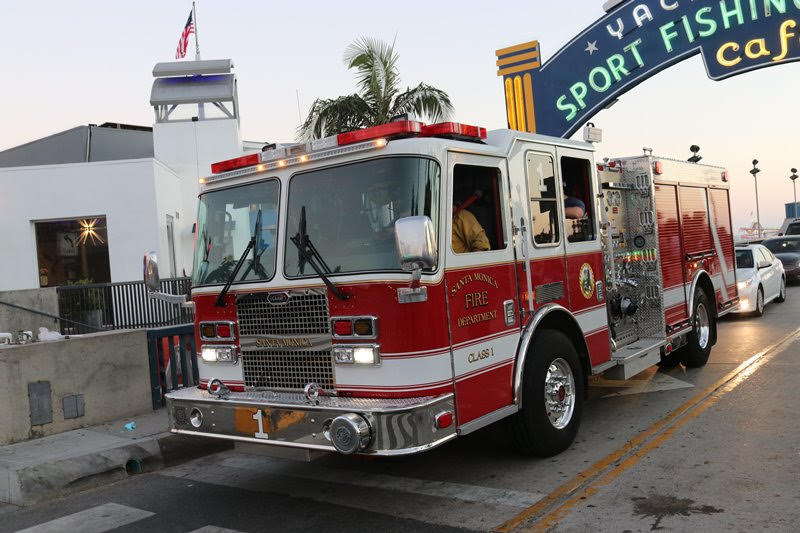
{"x":88,"y":202}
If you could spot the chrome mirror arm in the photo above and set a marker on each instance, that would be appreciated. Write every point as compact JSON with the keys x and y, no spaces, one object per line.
{"x":180,"y":299}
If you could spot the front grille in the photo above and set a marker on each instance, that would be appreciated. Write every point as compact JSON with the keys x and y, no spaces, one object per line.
{"x":287,"y":370}
{"x":305,"y":313}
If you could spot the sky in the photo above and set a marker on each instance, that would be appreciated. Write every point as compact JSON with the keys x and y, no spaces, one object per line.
{"x":80,"y":62}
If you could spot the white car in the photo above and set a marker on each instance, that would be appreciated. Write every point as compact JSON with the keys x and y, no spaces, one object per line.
{"x":760,"y":278}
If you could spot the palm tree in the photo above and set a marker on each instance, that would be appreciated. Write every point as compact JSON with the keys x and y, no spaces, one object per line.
{"x":379,"y":97}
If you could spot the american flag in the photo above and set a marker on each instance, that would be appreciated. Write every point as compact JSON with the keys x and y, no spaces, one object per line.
{"x":183,"y":42}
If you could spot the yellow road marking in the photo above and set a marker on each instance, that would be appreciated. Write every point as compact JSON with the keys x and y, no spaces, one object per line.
{"x":588,"y":482}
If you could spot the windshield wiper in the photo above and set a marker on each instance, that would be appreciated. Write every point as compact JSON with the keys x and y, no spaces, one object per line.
{"x":255,"y":263}
{"x":308,"y":253}
{"x":250,"y":245}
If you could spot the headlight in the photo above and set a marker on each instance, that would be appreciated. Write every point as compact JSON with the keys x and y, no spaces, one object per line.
{"x":744,"y":284}
{"x":219,"y":354}
{"x":359,"y":354}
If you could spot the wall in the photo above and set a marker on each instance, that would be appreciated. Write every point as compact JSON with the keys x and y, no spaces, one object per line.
{"x":44,"y":300}
{"x":168,"y":201}
{"x":109,"y":144}
{"x":188,"y":148}
{"x":110,"y":369}
{"x":70,"y":147}
{"x":124,"y":191}
{"x":67,"y":146}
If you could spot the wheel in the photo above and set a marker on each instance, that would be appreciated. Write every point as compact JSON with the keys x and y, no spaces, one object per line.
{"x":552,"y":397}
{"x":782,"y":294}
{"x":701,"y":338}
{"x":759,"y":311}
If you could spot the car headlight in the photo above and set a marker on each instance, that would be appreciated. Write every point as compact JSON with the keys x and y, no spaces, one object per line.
{"x":219,"y":354}
{"x":744,"y":284}
{"x":359,"y":354}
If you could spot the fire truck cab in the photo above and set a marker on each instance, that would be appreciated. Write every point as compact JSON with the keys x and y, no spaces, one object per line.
{"x":385,"y":290}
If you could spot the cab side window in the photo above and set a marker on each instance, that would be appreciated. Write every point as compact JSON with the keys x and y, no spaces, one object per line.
{"x":477,"y":210}
{"x":578,"y":213}
{"x":544,"y":200}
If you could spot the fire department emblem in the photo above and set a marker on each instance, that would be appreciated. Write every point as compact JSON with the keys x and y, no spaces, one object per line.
{"x":587,"y":280}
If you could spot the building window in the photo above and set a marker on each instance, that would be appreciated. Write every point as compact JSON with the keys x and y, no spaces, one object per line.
{"x":72,"y":250}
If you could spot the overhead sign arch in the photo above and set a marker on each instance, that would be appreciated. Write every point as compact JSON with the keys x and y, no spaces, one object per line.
{"x":635,"y":40}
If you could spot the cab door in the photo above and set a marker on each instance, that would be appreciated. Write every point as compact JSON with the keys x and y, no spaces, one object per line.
{"x":583,"y":251}
{"x":538,"y":216}
{"x":480,"y":284}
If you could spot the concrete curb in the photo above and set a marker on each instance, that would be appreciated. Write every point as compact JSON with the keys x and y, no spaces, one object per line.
{"x":29,"y":484}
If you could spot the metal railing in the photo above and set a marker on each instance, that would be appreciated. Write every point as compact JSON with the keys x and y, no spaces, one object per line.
{"x":173,"y":360}
{"x":121,"y":305}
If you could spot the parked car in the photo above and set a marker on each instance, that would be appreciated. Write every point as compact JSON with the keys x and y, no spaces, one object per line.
{"x":787,"y":249}
{"x":760,"y":277}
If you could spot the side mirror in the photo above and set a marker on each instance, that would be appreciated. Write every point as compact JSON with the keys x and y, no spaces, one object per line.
{"x":153,"y":283}
{"x":151,"y":279}
{"x":764,"y":264}
{"x":415,"y":242}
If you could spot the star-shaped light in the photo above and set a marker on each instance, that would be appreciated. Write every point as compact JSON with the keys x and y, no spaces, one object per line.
{"x":88,"y":231}
{"x":591,"y":47}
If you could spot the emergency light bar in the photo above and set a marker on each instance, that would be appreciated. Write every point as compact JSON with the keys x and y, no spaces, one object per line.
{"x":336,"y":145}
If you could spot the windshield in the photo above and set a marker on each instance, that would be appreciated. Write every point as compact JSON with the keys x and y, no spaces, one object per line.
{"x":350,"y":211}
{"x":744,"y":259}
{"x":226,"y":221}
{"x":793,"y":229}
{"x":781,"y":246}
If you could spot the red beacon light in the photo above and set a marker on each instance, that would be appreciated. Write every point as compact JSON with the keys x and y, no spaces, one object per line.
{"x":401,"y":128}
{"x":454,"y":130}
{"x":233,"y":164}
{"x":658,"y":168}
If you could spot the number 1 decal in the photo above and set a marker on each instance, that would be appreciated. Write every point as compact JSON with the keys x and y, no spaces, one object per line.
{"x":259,"y":418}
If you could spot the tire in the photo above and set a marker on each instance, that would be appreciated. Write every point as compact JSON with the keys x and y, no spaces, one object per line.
{"x":704,"y":331}
{"x":552,"y":365}
{"x":759,"y":302}
{"x":782,"y":294}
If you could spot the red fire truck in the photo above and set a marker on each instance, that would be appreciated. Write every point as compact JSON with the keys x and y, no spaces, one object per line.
{"x":385,"y":290}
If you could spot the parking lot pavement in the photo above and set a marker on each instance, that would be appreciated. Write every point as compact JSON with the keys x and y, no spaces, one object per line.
{"x":642,"y":460}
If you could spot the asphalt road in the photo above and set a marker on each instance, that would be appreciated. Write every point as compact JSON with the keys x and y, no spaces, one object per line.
{"x":709,"y":449}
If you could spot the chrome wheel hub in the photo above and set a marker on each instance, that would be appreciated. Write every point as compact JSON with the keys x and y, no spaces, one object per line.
{"x":702,"y":326}
{"x":559,"y":393}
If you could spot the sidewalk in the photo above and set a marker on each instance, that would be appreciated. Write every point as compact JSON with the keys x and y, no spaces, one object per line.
{"x":46,"y":468}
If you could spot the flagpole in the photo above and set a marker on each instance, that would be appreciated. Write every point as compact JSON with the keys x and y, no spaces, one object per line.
{"x":196,"y":41}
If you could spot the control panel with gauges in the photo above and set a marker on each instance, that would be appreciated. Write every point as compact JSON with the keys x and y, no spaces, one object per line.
{"x":631,"y":257}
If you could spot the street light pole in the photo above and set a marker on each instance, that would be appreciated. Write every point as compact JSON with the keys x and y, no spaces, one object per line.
{"x":794,"y":186}
{"x":755,"y":172}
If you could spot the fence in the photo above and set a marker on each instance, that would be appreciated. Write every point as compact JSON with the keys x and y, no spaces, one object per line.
{"x":173,"y":360}
{"x":122,"y":305}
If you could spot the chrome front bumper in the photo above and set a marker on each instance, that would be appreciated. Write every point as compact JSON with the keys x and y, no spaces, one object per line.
{"x":396,"y":426}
